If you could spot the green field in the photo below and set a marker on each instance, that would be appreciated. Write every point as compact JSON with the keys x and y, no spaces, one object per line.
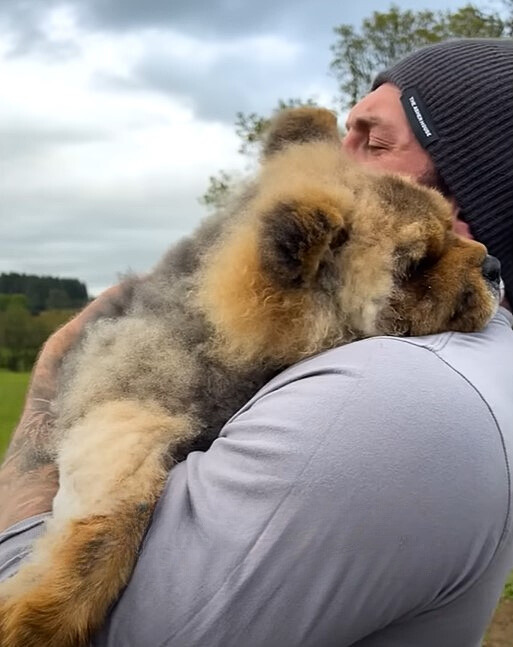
{"x":508,"y":589}
{"x":12,"y":394}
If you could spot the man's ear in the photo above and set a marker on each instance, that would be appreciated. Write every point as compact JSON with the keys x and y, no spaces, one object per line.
{"x":459,"y":226}
{"x":298,"y":126}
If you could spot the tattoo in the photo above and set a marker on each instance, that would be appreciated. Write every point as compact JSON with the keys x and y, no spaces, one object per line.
{"x":25,"y":493}
{"x":28,"y":477}
{"x":30,"y":446}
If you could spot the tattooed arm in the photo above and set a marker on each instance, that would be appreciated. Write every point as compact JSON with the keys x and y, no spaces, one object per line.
{"x":28,"y":476}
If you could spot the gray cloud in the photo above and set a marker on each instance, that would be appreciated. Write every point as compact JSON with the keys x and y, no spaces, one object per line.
{"x":218,"y":91}
{"x":218,"y":19}
{"x":214,"y":91}
{"x":94,"y":239}
{"x":34,"y":140}
{"x":23,"y":20}
{"x":215,"y":18}
{"x":310,"y":20}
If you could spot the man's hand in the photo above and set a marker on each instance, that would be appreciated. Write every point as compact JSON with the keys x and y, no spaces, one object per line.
{"x":28,"y":477}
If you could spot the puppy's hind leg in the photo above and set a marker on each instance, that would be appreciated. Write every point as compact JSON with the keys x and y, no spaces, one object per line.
{"x":112,"y":470}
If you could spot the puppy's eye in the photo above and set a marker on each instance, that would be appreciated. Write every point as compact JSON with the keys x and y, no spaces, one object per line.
{"x":415,"y":269}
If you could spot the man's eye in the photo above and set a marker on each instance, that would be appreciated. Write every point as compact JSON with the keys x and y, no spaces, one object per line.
{"x":375,"y":148}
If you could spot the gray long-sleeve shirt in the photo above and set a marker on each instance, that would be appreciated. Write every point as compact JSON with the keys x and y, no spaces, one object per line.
{"x":360,"y":498}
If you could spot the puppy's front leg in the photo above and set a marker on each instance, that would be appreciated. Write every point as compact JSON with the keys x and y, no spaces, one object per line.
{"x":112,"y":468}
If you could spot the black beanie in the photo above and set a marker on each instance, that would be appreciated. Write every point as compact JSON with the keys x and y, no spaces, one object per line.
{"x":458,"y":97}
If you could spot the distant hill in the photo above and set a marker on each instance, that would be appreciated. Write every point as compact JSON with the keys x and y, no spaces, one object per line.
{"x":45,"y":292}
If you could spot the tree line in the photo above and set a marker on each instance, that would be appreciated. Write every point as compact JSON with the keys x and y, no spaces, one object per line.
{"x":45,"y":292}
{"x":31,"y":308}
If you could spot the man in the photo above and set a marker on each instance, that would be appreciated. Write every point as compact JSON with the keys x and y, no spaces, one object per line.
{"x":363,"y":497}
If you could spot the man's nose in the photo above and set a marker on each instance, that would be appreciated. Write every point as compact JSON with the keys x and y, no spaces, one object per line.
{"x":348,"y":144}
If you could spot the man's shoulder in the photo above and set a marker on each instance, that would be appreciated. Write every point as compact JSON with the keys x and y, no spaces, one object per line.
{"x":481,"y":359}
{"x":455,"y":387}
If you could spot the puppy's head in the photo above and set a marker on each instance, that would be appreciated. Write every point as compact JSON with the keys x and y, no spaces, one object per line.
{"x":405,"y":272}
{"x":326,"y":252}
{"x":401,"y":269}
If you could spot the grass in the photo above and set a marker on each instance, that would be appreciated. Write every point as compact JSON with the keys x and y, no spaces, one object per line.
{"x":508,"y":589}
{"x":12,"y":395}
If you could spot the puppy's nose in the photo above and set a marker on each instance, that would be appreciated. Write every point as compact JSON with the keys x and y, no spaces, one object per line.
{"x":491,"y":269}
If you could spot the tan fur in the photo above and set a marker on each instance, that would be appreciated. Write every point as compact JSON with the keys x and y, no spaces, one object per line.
{"x":315,"y":253}
{"x":100,"y":513}
{"x":255,"y":318}
{"x":383,"y":215}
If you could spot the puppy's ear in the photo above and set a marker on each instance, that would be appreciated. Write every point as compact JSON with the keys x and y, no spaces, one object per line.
{"x":298,"y":126}
{"x":301,"y":238}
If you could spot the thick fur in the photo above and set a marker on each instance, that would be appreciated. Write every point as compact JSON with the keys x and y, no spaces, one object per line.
{"x":315,"y":253}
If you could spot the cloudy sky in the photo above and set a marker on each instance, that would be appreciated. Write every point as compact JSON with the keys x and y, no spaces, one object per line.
{"x":114,"y":113}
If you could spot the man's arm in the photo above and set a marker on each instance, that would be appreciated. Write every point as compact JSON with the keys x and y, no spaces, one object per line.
{"x":28,"y":475}
{"x":25,"y":493}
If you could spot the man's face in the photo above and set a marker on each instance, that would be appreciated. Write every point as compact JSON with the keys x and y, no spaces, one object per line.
{"x":379,"y":135}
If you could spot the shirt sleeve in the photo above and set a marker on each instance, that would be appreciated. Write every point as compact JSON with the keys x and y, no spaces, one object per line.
{"x":335,"y":503}
{"x":16,"y":543}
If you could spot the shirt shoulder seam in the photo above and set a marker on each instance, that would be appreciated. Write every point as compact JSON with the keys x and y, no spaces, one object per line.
{"x":436,"y":352}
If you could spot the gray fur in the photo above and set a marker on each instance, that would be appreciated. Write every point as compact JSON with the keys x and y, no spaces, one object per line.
{"x":159,"y":348}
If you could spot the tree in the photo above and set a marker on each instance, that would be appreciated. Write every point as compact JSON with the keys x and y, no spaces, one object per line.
{"x":44,"y":292}
{"x":22,"y":332}
{"x":57,"y":299}
{"x":385,"y":37}
{"x":219,"y":187}
{"x":17,"y":326}
{"x":251,"y":129}
{"x":9,"y":299}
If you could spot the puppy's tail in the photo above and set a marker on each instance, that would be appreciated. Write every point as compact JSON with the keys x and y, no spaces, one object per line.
{"x":88,"y":566}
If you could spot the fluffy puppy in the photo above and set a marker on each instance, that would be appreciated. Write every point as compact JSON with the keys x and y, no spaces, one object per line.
{"x":314,"y":253}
